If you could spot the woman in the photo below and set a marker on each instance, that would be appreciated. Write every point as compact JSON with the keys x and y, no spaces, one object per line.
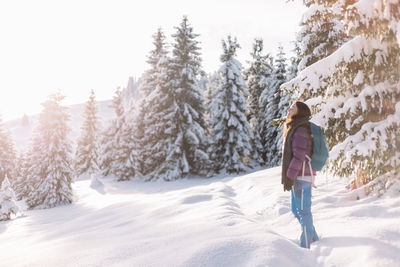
{"x":297,"y":173}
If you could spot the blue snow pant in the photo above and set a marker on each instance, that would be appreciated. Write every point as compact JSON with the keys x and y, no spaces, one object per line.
{"x":301,"y":208}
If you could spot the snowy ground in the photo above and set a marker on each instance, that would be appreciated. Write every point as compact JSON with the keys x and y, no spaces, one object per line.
{"x":223,"y":221}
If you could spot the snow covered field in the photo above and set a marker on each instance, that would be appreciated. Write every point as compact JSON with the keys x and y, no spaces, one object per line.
{"x":223,"y":221}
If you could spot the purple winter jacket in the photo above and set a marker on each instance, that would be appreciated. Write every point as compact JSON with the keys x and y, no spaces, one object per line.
{"x":301,"y":146}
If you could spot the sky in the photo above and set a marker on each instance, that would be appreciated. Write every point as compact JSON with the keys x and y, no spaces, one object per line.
{"x":75,"y":46}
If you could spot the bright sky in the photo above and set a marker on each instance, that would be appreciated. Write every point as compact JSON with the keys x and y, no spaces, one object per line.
{"x":75,"y":46}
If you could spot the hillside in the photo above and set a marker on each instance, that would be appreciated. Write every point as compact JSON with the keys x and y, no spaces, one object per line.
{"x":240,"y":220}
{"x":22,"y":133}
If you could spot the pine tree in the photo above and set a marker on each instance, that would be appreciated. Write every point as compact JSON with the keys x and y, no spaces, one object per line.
{"x":186,"y":150}
{"x":203,"y":81}
{"x":125,"y":167}
{"x":293,"y":68}
{"x":132,"y":90}
{"x":260,"y":69}
{"x":29,"y":175}
{"x":21,"y":184}
{"x":212,"y":85}
{"x":143,"y":123}
{"x":230,"y":128}
{"x":322,"y":32}
{"x":272,"y":103}
{"x":87,"y":151}
{"x":50,"y":172}
{"x":114,"y":148}
{"x":107,"y":147}
{"x":162,"y":129}
{"x":151,"y":75}
{"x":360,"y":103}
{"x":8,"y":204}
{"x":7,"y":153}
{"x":287,"y":97}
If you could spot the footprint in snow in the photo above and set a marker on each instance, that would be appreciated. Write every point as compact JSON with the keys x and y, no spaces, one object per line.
{"x":97,"y":185}
{"x":196,"y":199}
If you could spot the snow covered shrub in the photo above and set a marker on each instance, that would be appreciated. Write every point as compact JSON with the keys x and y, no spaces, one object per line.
{"x":8,"y":205}
{"x":389,"y":181}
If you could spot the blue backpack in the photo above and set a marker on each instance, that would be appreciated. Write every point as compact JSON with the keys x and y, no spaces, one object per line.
{"x":320,"y":149}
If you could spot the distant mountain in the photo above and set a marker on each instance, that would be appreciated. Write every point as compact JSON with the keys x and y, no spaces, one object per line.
{"x":21,"y":129}
{"x":131,"y":91}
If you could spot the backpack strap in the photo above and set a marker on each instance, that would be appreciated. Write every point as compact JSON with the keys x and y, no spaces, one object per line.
{"x":311,"y":170}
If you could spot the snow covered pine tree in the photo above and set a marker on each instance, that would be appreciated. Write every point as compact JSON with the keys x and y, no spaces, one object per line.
{"x":107,"y":142}
{"x":128,"y":145}
{"x":322,"y":32}
{"x":260,"y":68}
{"x":148,"y":151}
{"x":115,"y":146}
{"x":7,"y":153}
{"x":212,"y":85}
{"x":87,"y":152}
{"x":50,"y":173}
{"x":272,"y":102}
{"x":8,"y":205}
{"x":230,"y":149}
{"x":185,"y":152}
{"x":357,"y":89}
{"x":20,"y":184}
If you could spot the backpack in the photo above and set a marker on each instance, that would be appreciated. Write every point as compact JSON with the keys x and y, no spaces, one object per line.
{"x":320,"y":151}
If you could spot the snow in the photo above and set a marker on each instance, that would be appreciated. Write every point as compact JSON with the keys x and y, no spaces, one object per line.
{"x":226,"y":220}
{"x":96,"y":184}
{"x":359,"y":79}
{"x":398,"y":32}
{"x":365,"y":139}
{"x":368,"y":8}
{"x":223,"y":221}
{"x":312,"y":11}
{"x":314,"y":76}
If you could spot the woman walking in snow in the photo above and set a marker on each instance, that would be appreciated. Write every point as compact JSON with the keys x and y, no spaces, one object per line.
{"x":297,"y":173}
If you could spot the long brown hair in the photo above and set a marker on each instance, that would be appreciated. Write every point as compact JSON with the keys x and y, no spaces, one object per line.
{"x":303,"y":111}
